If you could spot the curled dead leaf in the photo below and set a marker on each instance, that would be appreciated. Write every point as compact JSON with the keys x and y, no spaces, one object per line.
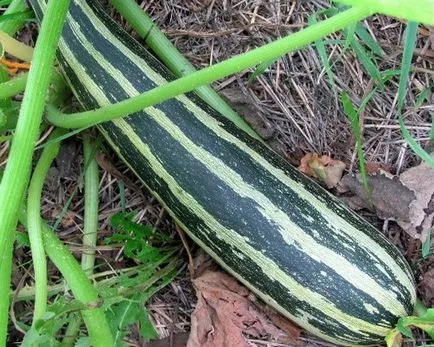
{"x":407,"y":199}
{"x":224,"y":312}
{"x":323,"y":167}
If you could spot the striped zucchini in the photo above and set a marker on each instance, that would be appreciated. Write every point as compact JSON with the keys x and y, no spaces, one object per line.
{"x":286,"y":238}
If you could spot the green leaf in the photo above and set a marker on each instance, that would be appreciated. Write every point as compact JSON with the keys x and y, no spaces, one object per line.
{"x":127,"y":312}
{"x":412,"y":10}
{"x":27,"y":14}
{"x":22,"y":239}
{"x":367,"y":62}
{"x":404,"y":329}
{"x":369,"y":41}
{"x":83,"y":341}
{"x":426,"y":246}
{"x":423,"y":96}
{"x":43,"y":332}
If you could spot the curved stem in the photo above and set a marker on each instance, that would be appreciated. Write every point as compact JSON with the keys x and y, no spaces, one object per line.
{"x":17,"y":172}
{"x":14,"y":86}
{"x":210,"y":74}
{"x":34,"y":225}
{"x":80,"y":285}
{"x":173,"y":59}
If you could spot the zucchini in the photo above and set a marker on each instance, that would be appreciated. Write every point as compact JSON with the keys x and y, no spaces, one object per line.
{"x":282,"y":235}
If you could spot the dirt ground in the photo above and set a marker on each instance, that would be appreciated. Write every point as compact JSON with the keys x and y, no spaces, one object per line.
{"x":292,"y":106}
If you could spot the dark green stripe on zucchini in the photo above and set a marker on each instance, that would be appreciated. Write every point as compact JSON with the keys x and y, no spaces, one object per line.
{"x":278,"y":232}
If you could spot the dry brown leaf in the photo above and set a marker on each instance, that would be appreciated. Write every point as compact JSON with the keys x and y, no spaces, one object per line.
{"x":427,"y":288}
{"x":374,"y":168}
{"x":409,"y":199}
{"x":419,"y":179}
{"x":389,"y":197}
{"x":224,"y":312}
{"x":323,"y":167}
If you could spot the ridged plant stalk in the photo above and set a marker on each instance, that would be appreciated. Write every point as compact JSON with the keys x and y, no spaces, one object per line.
{"x":90,"y":230}
{"x":173,"y":59}
{"x":208,"y":75}
{"x":17,"y":172}
{"x":91,"y":205}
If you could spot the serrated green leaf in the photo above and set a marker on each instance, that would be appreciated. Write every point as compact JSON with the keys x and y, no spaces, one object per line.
{"x":127,"y":312}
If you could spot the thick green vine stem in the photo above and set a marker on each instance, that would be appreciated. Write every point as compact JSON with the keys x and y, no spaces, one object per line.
{"x":206,"y":76}
{"x":17,"y":172}
{"x":173,"y":59}
{"x":91,"y":204}
{"x":34,"y":224}
{"x":10,"y":27}
{"x":13,"y":86}
{"x":77,"y":281}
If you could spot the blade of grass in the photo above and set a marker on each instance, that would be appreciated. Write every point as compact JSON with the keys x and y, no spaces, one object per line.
{"x":410,"y":36}
{"x":260,"y":69}
{"x":320,"y":47}
{"x":368,"y":63}
{"x":366,"y":37}
{"x":353,"y":117}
